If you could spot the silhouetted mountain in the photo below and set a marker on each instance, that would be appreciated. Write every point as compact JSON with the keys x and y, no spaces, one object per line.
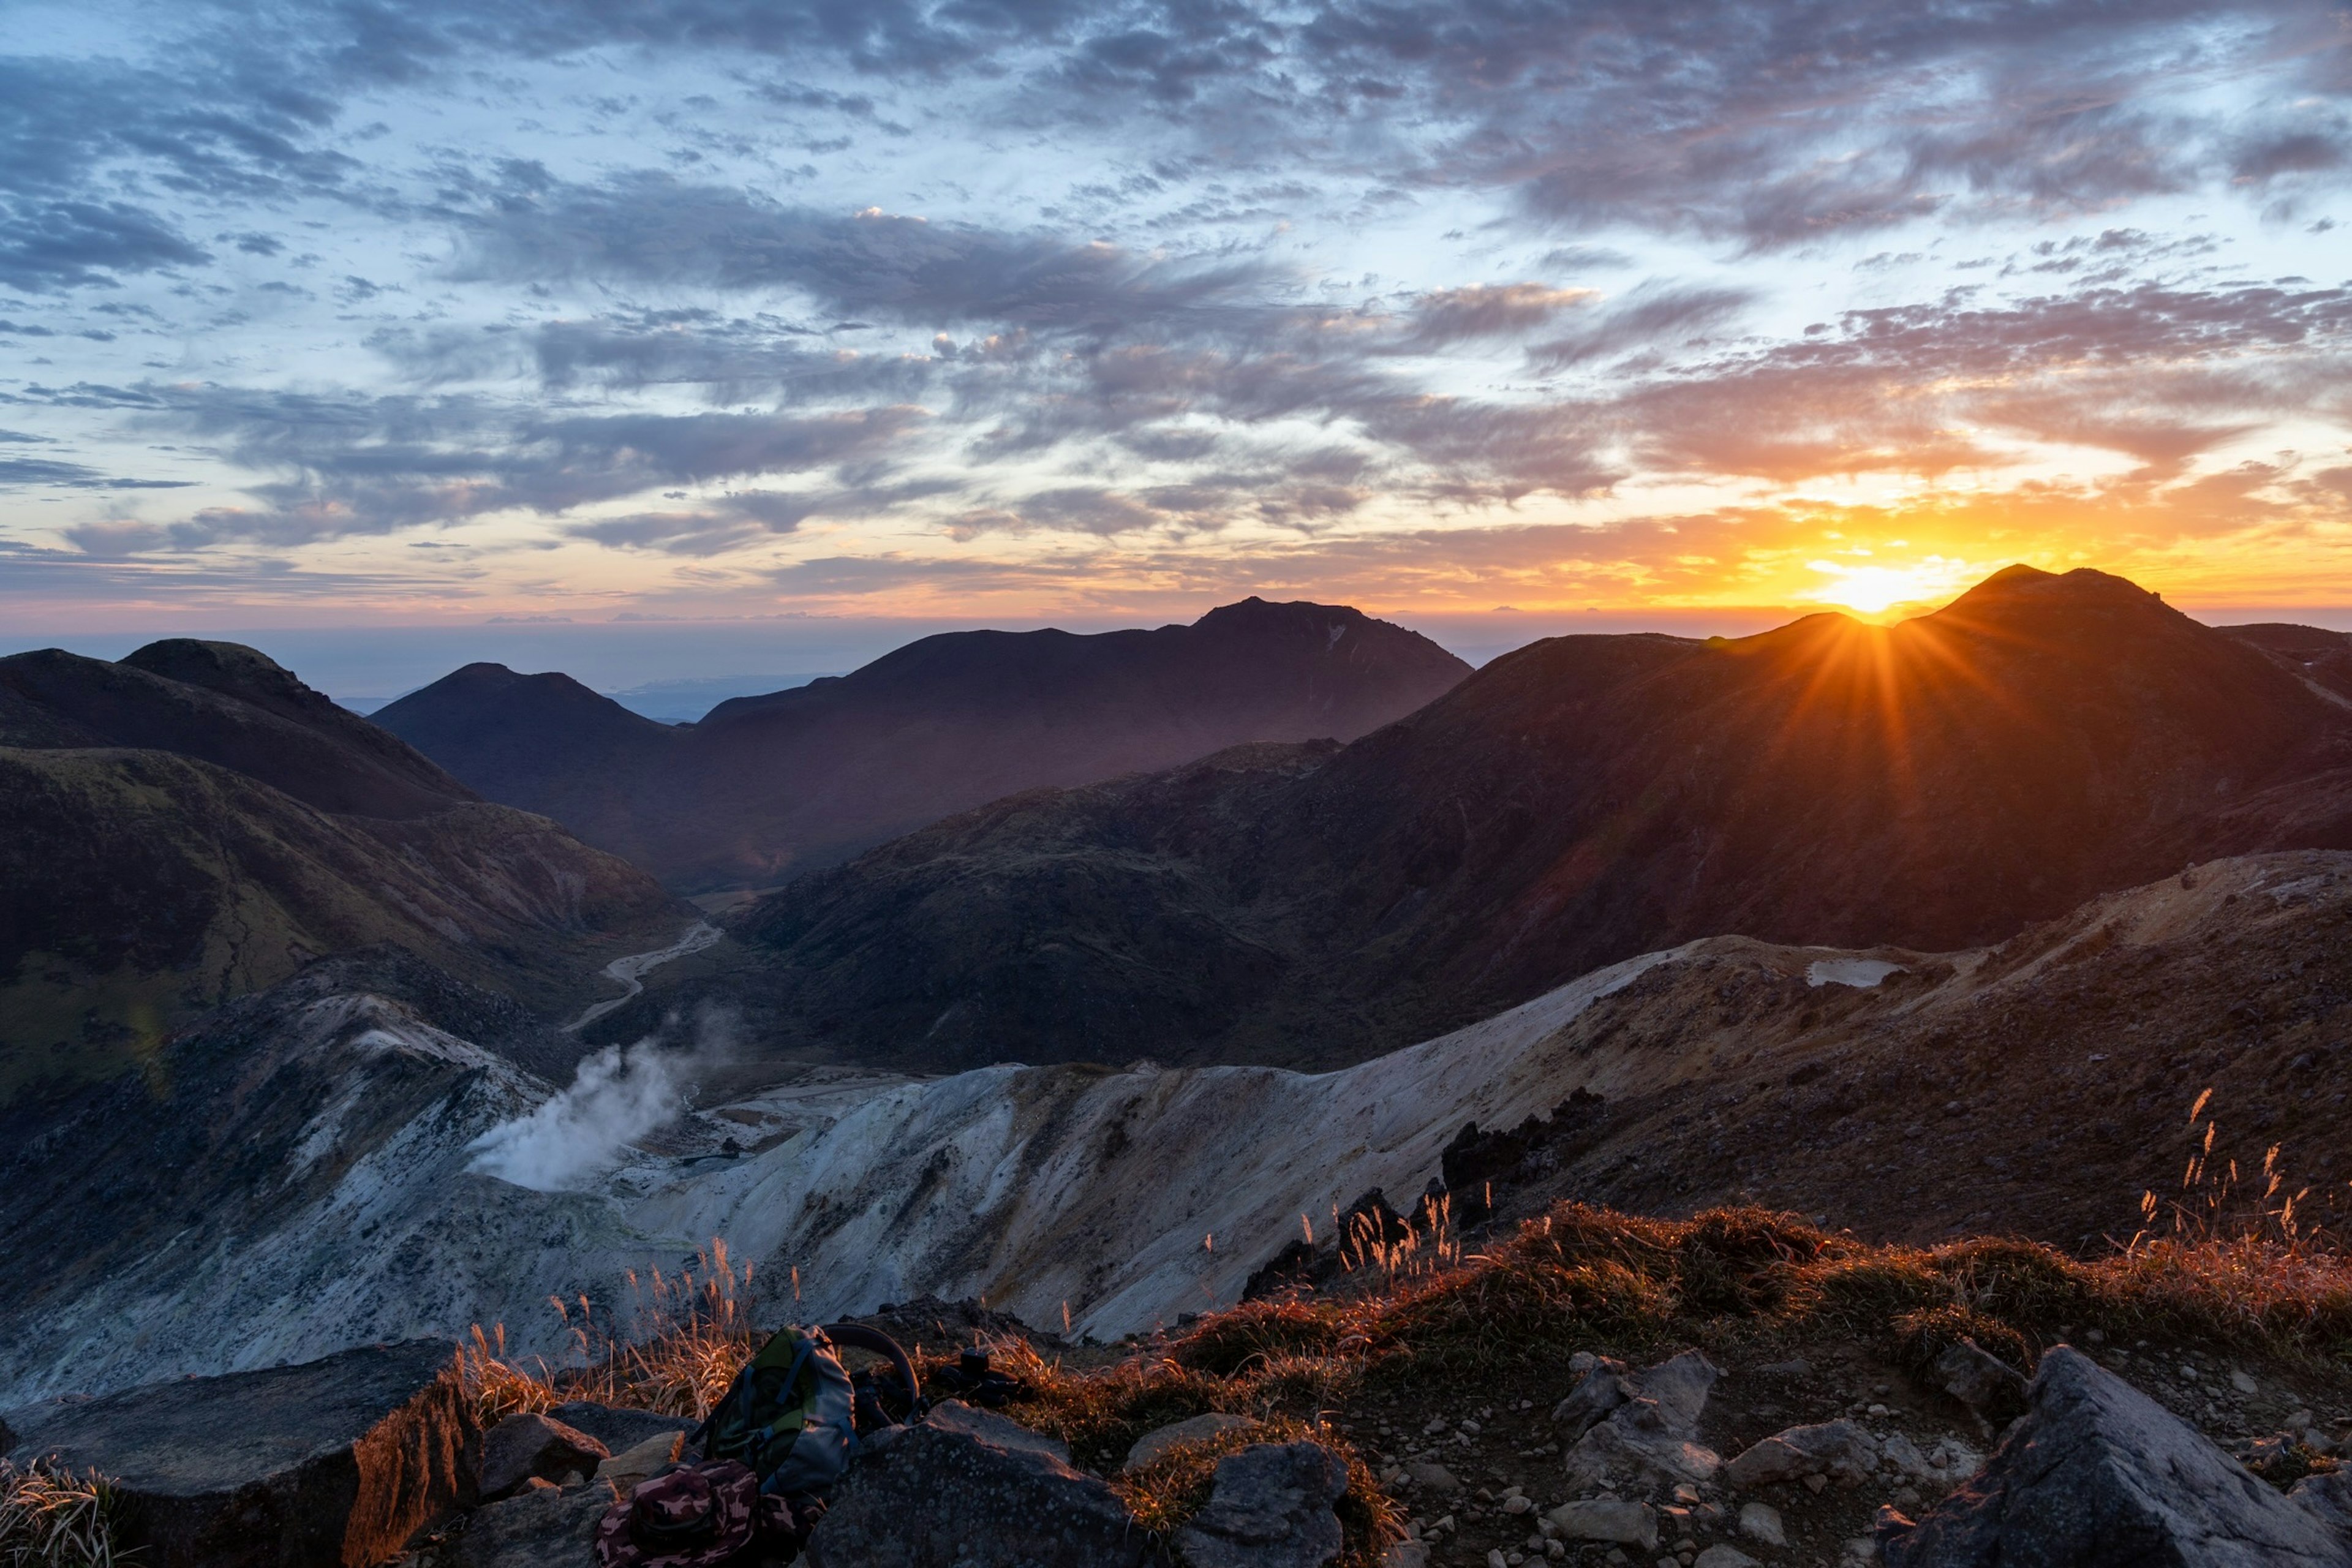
{"x":1933,"y":784}
{"x":768,"y":786}
{"x":194,"y":823}
{"x":223,"y":704}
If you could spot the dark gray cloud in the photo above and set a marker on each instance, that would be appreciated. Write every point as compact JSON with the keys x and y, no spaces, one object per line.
{"x":651,"y":229}
{"x":351,"y":466}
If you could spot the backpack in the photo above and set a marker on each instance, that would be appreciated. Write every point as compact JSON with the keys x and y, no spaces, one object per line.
{"x":791,"y":1414}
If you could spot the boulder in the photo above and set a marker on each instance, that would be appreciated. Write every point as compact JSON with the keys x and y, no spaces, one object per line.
{"x":614,"y":1427}
{"x":1652,"y":1436}
{"x":545,"y":1527}
{"x":2329,"y":1496}
{"x":332,"y":1462}
{"x":2097,"y":1475}
{"x":527,"y":1444}
{"x":1721,"y":1556}
{"x":1406,"y":1554}
{"x":1838,"y":1449}
{"x":1159,"y":1440}
{"x":969,"y":1489}
{"x":1429,"y":1473}
{"x":1608,"y":1519}
{"x":1983,"y":1382}
{"x":625,"y":1469}
{"x":1269,"y":1507}
{"x":1601,"y":1389}
{"x":1761,"y":1521}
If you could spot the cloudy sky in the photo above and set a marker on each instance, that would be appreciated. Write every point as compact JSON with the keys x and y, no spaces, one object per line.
{"x":401,"y":311}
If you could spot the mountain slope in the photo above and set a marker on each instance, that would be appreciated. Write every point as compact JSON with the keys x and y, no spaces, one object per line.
{"x":166,"y":846}
{"x":766,"y":787}
{"x":294,"y":1175}
{"x":1934,"y":784}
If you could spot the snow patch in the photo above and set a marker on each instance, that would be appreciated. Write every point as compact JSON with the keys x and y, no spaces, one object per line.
{"x":1859,"y":973}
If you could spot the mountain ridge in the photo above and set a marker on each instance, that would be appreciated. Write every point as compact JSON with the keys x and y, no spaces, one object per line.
{"x":1934,"y":784}
{"x":169,"y":845}
{"x":767,"y":787}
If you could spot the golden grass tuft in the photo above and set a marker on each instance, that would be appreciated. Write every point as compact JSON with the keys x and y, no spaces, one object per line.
{"x":57,"y":1520}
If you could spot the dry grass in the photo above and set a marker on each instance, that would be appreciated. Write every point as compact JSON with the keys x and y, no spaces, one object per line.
{"x":50,"y":1519}
{"x":1426,"y":1316}
{"x":682,"y":1342}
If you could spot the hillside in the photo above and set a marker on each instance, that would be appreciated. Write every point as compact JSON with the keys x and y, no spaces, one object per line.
{"x":169,"y":841}
{"x":1934,"y":784}
{"x":767,"y":787}
{"x":328,"y":1133}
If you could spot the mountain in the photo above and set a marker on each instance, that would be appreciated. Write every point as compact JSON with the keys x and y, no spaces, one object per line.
{"x":1933,"y":784}
{"x":303,"y":1170}
{"x":767,"y":787}
{"x":193,"y":822}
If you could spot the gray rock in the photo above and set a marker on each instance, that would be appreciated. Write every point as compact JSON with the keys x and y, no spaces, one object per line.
{"x":1590,"y":1403}
{"x":1270,"y":1507}
{"x":2329,"y":1496}
{"x":2097,"y":1475}
{"x":1838,"y":1449}
{"x":1430,"y":1474}
{"x":1983,"y":1382}
{"x":1406,"y":1554}
{"x":969,"y":1489}
{"x":1653,"y":1437}
{"x":329,"y":1462}
{"x":625,"y":1469}
{"x":1159,"y":1440}
{"x":1721,"y":1556}
{"x":523,"y":1445}
{"x":1761,"y":1521}
{"x":614,"y":1428}
{"x":546,"y":1526}
{"x":1608,"y":1519}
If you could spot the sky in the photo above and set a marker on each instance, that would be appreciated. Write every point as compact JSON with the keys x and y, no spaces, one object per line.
{"x":756,"y":315}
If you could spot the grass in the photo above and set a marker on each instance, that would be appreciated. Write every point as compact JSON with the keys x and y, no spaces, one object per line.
{"x":55,"y":1520}
{"x":1736,"y":1281}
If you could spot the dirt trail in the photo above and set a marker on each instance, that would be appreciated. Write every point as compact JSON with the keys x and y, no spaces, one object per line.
{"x":631,"y":970}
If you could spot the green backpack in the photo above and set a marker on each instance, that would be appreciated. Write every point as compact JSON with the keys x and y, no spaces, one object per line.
{"x":790,"y":1413}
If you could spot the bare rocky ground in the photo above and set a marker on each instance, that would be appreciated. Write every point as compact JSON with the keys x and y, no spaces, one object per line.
{"x":1497,"y":1439}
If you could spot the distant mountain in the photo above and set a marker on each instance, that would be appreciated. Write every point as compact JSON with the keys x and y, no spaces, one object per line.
{"x":194,"y":823}
{"x":764,"y":787}
{"x":1934,"y":784}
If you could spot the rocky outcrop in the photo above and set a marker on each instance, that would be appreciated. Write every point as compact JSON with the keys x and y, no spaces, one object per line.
{"x":1269,"y":1507}
{"x":545,"y":1527}
{"x":617,"y":1428}
{"x":969,"y":1489}
{"x":527,"y":1444}
{"x":1650,"y":1429}
{"x":331,"y":1463}
{"x":1840,"y":1451}
{"x":2097,"y":1475}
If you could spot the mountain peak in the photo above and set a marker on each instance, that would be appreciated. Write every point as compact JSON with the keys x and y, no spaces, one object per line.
{"x":2085,"y":587}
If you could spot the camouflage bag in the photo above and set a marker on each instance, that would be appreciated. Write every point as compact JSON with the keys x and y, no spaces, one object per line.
{"x":695,"y":1516}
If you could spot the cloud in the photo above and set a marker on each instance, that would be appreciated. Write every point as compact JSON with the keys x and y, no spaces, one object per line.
{"x":46,"y":246}
{"x":357,"y":466}
{"x":651,"y":229}
{"x":1446,"y":316}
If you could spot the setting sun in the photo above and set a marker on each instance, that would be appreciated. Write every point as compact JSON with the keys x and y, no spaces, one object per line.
{"x":1873,"y":590}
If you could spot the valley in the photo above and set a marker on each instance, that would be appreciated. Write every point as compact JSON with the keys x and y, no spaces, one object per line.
{"x":1924,"y":949}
